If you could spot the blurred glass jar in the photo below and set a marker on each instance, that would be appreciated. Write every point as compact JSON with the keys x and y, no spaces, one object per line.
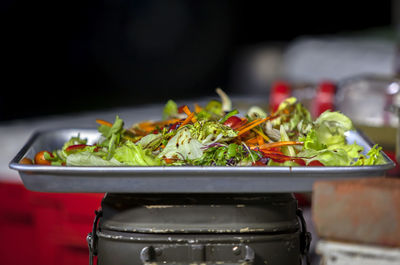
{"x":366,"y":99}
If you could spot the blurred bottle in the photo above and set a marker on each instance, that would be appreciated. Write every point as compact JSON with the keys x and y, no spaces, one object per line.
{"x":397,"y":61}
{"x":280,"y":91}
{"x":315,"y":97}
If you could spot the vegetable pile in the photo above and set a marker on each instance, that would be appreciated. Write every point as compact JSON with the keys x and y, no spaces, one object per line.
{"x":217,"y":135}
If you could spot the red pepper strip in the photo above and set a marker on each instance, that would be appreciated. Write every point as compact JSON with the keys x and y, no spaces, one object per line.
{"x":103,"y":122}
{"x":280,"y":158}
{"x":180,"y":108}
{"x":279,"y":144}
{"x":315,"y":163}
{"x":75,"y":147}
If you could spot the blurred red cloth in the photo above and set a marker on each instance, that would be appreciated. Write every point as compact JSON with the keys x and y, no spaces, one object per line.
{"x":44,"y":228}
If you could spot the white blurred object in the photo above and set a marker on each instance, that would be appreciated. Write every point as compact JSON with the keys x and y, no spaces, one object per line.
{"x":366,"y":99}
{"x":336,"y":253}
{"x":312,"y":59}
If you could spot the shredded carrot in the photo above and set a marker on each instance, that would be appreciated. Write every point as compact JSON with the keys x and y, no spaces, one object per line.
{"x":103,"y":122}
{"x":169,"y":160}
{"x":266,"y":138}
{"x":187,"y":120}
{"x":253,"y":124}
{"x":197,"y":108}
{"x":260,"y":140}
{"x":188,"y":112}
{"x":246,"y":125}
{"x":149,"y":126}
{"x":252,"y":140}
{"x":279,"y":144}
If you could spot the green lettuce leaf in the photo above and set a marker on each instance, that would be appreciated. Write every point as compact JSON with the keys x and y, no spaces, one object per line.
{"x":87,"y":158}
{"x":327,"y":157}
{"x":330,"y":128}
{"x":311,"y":141}
{"x":134,"y":155}
{"x":150,"y":141}
{"x":208,"y":132}
{"x":112,"y":136}
{"x":256,"y":112}
{"x":183,"y":146}
{"x":170,"y":110}
{"x":295,"y":118}
{"x":373,"y":157}
{"x":287,"y":150}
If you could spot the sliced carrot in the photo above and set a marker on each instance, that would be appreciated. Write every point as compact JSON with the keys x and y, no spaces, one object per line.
{"x":187,"y":120}
{"x":266,"y":138}
{"x":169,"y":160}
{"x":103,"y":122}
{"x":188,"y":112}
{"x":246,"y":125}
{"x":260,"y":140}
{"x":252,"y":140}
{"x":197,"y":108}
{"x":258,"y":122}
{"x":149,"y":126}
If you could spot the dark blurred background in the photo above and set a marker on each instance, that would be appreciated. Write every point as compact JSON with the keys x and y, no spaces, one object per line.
{"x":71,"y":56}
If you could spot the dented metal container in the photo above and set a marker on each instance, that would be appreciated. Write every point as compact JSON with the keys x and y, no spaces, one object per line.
{"x":199,"y":229}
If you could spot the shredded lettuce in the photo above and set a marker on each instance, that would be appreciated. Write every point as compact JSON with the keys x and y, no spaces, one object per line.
{"x":330,"y":128}
{"x":373,"y":157}
{"x":150,"y":141}
{"x":87,"y":158}
{"x":208,"y":132}
{"x":256,"y":112}
{"x":327,"y":157}
{"x":112,"y":136}
{"x":294,"y":117}
{"x":311,"y":141}
{"x":183,"y":146}
{"x":134,"y":155}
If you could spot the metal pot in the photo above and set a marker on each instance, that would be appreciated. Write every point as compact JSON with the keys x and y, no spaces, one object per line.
{"x":199,"y":229}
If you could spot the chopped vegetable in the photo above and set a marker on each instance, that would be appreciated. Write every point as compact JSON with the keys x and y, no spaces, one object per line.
{"x":216,"y":135}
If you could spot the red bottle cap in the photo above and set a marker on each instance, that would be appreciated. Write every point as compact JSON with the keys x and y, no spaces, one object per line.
{"x":280,"y":91}
{"x":324,"y":98}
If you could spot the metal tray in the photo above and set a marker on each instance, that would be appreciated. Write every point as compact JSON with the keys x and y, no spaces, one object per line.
{"x":179,"y":179}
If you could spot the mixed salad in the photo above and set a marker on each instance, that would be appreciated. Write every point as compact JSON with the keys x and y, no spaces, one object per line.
{"x":218,"y":135}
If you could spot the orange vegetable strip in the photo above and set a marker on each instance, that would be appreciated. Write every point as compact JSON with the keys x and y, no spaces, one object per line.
{"x":242,"y":131}
{"x":169,"y":160}
{"x":188,"y":112}
{"x":252,"y":140}
{"x":246,"y":125}
{"x":266,"y":138}
{"x":103,"y":122}
{"x":197,"y":108}
{"x":187,"y":120}
{"x":260,"y":140}
{"x":279,"y":144}
{"x":149,"y":126}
